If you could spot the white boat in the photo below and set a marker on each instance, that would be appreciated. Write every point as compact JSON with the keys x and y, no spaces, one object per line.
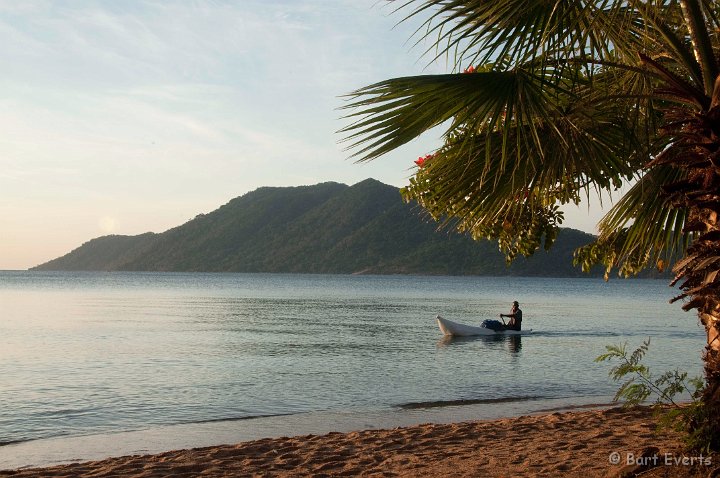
{"x":448,"y":327}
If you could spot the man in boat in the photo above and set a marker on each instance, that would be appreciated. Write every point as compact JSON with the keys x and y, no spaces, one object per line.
{"x":515,"y":316}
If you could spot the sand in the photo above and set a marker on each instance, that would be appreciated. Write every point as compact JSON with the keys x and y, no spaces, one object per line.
{"x":577,"y":443}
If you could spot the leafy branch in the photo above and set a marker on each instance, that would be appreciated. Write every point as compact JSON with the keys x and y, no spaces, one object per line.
{"x":641,"y":384}
{"x":693,"y":419}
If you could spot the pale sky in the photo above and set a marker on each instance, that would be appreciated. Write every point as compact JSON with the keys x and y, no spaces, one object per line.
{"x":122,"y":117}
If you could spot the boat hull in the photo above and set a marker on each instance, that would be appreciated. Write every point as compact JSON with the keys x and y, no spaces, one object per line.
{"x":448,"y":327}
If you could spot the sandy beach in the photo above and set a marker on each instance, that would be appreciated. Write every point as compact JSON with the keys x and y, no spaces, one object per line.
{"x":579,"y":443}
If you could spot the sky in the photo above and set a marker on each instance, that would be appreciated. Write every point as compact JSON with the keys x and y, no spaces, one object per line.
{"x":136,"y":116}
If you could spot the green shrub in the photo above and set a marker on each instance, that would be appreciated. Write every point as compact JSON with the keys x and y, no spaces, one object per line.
{"x":640,"y":386}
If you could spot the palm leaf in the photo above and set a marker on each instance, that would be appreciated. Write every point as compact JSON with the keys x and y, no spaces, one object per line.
{"x":479,"y":31}
{"x":643,"y":227}
{"x":520,"y":103}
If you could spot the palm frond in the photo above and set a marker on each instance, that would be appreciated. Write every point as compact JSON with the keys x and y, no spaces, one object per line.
{"x":396,"y":111}
{"x":642,"y":228}
{"x":478,"y":31}
{"x":702,"y":44}
{"x":530,"y":107}
{"x":666,"y":39}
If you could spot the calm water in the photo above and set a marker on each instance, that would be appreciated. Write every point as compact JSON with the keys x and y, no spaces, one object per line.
{"x":100,"y":353}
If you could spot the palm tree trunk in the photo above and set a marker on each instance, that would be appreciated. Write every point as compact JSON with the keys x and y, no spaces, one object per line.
{"x":698,"y":151}
{"x":701,"y":274}
{"x":711,"y":326}
{"x":700,"y":269}
{"x":711,"y":395}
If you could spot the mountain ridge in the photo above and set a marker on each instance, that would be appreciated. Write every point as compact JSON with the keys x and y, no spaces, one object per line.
{"x":325,"y":228}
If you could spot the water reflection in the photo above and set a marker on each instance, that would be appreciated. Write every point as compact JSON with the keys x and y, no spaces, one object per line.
{"x":513,"y":342}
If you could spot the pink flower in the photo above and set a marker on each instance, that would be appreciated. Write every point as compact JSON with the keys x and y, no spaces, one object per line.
{"x":469,"y":69}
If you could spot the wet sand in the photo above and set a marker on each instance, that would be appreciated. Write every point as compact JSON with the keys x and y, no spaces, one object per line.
{"x":578,"y":443}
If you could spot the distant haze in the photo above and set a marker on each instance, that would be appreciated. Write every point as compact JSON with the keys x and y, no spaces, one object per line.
{"x":135,"y":116}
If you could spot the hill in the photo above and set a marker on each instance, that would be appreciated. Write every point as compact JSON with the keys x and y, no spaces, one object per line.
{"x":325,"y":228}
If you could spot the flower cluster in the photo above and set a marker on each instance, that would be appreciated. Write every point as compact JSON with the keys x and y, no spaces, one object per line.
{"x":469,"y":69}
{"x":423,"y":159}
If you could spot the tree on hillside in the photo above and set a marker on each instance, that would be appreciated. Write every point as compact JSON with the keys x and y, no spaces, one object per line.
{"x":550,"y":102}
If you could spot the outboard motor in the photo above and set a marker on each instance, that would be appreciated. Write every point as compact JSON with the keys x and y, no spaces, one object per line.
{"x":495,"y":325}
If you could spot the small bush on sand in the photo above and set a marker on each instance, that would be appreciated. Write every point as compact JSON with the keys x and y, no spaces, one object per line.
{"x":640,"y":386}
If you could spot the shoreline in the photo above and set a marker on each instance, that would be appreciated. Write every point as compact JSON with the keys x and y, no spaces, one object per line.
{"x":571,"y":443}
{"x":67,"y":449}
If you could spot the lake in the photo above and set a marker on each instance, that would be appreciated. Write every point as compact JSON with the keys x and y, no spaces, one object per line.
{"x":93,"y":364}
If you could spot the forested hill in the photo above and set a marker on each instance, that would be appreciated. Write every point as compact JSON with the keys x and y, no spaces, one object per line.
{"x":326,"y":228}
